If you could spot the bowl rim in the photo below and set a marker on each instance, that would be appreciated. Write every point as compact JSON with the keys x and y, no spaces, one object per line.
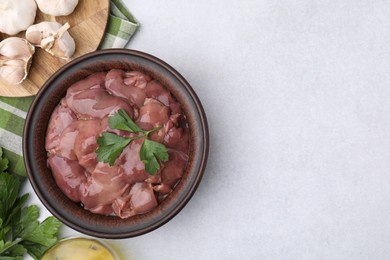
{"x":203,"y":159}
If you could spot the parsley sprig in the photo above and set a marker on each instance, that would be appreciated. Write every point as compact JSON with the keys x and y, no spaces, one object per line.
{"x":20,"y":230}
{"x":112,"y":145}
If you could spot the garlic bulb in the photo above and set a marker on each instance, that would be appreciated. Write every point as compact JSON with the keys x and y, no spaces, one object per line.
{"x":57,"y":7}
{"x":53,"y":38}
{"x":16,"y":15}
{"x":15,"y":60}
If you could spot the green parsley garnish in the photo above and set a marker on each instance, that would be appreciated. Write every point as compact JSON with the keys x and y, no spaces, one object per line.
{"x":112,"y":145}
{"x":20,"y":230}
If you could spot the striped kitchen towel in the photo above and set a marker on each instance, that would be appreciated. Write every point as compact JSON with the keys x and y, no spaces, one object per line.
{"x":121,"y":27}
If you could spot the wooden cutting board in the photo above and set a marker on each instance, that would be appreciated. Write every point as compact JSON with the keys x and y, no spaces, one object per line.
{"x":88,"y":23}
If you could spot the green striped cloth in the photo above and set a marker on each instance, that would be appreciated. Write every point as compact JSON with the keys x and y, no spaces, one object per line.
{"x":121,"y":26}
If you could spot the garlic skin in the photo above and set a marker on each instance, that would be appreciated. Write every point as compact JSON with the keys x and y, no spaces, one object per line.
{"x":16,"y":15}
{"x":53,"y":38}
{"x":57,"y":7}
{"x":15,"y":60}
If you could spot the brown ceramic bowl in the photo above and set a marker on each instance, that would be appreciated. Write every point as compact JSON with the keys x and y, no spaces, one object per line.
{"x":40,"y":176}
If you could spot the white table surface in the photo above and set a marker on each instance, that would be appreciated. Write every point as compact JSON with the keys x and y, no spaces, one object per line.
{"x":297,"y":97}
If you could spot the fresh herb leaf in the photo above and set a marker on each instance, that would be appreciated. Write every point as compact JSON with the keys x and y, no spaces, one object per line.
{"x":17,"y":208}
{"x":34,"y":250}
{"x":122,"y":121}
{"x":9,"y":190}
{"x":112,"y":145}
{"x":27,"y":222}
{"x":20,"y":230}
{"x":3,"y":161}
{"x":18,"y":250}
{"x":45,"y":233}
{"x":150,"y":152}
{"x":108,"y":139}
{"x":8,"y":245}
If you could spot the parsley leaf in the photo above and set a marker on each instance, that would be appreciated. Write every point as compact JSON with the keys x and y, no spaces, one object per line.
{"x":45,"y":233}
{"x":112,"y":145}
{"x":150,"y":152}
{"x":20,"y":230}
{"x":3,"y":161}
{"x":27,"y":221}
{"x":9,"y":190}
{"x":122,"y":121}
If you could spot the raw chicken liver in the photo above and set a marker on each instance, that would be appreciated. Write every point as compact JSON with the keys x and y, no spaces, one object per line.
{"x":124,"y":189}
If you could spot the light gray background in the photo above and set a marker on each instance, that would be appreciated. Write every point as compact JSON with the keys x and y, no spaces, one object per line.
{"x":297,"y":97}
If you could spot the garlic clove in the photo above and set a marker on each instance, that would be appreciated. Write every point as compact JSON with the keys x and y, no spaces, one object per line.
{"x":63,"y":49}
{"x":16,"y":48}
{"x":13,"y":72}
{"x":57,"y":7}
{"x":35,"y":37}
{"x":15,"y":60}
{"x":53,"y":38}
{"x":16,"y":15}
{"x":40,"y":31}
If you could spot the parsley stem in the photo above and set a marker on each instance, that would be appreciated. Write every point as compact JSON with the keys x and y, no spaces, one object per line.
{"x":9,"y":245}
{"x":152,"y":130}
{"x":145,"y":133}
